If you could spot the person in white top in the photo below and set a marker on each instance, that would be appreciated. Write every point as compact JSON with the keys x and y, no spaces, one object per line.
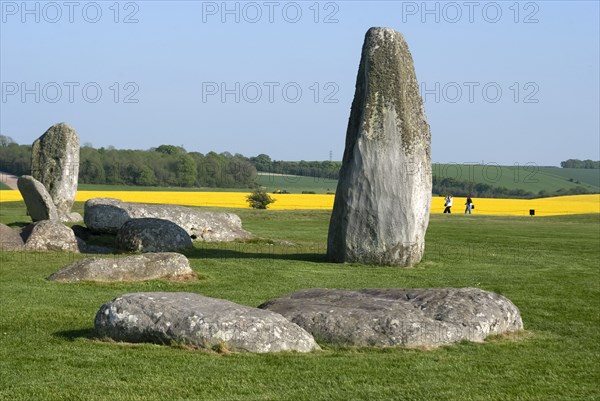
{"x":448,"y":204}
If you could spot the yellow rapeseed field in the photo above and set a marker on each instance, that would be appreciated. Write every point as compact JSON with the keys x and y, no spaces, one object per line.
{"x":575,"y":204}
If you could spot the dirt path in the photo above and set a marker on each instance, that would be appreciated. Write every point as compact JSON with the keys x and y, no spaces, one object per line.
{"x":9,"y":179}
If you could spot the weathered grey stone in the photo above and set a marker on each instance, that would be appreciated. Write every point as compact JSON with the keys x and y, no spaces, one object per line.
{"x":152,"y":235}
{"x":50,"y":235}
{"x":10,"y":239}
{"x":105,"y":215}
{"x":40,"y":205}
{"x":149,"y":266}
{"x":55,"y":163}
{"x":198,"y":321}
{"x":427,"y":317}
{"x":72,"y":217}
{"x":381,"y":207}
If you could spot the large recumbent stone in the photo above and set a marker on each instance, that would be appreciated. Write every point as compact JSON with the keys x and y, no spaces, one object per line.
{"x":152,"y":235}
{"x":200,"y":321}
{"x":428,"y":317}
{"x":148,"y":266}
{"x":107,"y":215}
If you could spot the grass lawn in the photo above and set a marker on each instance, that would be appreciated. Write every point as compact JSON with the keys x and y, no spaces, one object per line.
{"x":548,"y":266}
{"x":4,"y":186}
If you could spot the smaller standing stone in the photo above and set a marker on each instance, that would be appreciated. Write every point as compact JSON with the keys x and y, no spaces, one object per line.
{"x":152,"y":235}
{"x":55,"y":163}
{"x":37,"y":199}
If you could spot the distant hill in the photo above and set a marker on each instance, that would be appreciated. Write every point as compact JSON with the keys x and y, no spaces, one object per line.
{"x":587,"y":176}
{"x":531,"y":180}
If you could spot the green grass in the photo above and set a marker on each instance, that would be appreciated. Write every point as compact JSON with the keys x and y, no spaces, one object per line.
{"x":585,"y":176}
{"x":527,"y":177}
{"x":547,"y":266}
{"x":4,"y":186}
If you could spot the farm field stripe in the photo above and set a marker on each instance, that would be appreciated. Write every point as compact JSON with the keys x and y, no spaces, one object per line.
{"x":574,"y":204}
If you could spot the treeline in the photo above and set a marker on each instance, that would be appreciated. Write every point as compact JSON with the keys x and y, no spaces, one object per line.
{"x":319,"y":169}
{"x":14,"y":159}
{"x":445,"y":186}
{"x":576,"y":163}
{"x":173,"y":166}
{"x":165,"y":165}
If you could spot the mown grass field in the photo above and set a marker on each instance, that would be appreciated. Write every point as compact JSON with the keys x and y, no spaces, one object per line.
{"x":547,"y":266}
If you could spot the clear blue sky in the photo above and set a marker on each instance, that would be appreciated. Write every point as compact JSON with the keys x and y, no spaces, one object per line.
{"x":171,"y":75}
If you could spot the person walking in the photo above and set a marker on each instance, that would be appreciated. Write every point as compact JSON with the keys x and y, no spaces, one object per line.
{"x":469,"y":205}
{"x":448,"y":204}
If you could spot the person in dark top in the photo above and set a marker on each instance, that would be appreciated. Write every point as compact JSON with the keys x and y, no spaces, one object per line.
{"x":469,"y":205}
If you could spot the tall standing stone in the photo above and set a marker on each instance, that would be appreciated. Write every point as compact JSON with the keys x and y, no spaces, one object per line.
{"x":381,"y":207}
{"x":55,"y":163}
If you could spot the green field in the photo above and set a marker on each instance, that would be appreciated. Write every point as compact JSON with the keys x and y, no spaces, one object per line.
{"x":529,"y":178}
{"x":585,"y":176}
{"x":293,"y":184}
{"x":100,"y":187}
{"x":547,"y":266}
{"x":4,"y":186}
{"x":297,"y":184}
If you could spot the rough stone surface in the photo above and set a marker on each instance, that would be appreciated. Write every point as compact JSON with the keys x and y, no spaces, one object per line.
{"x":149,"y":266}
{"x":381,"y":207}
{"x":72,"y":217}
{"x":55,"y":163}
{"x":152,"y":235}
{"x":50,"y":235}
{"x":105,"y":215}
{"x":40,"y":205}
{"x":428,"y":317}
{"x":10,"y":239}
{"x":198,"y":321}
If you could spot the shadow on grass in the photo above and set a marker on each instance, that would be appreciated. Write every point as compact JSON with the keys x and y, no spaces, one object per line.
{"x":72,"y":335}
{"x":244,"y":252}
{"x":19,"y":224}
